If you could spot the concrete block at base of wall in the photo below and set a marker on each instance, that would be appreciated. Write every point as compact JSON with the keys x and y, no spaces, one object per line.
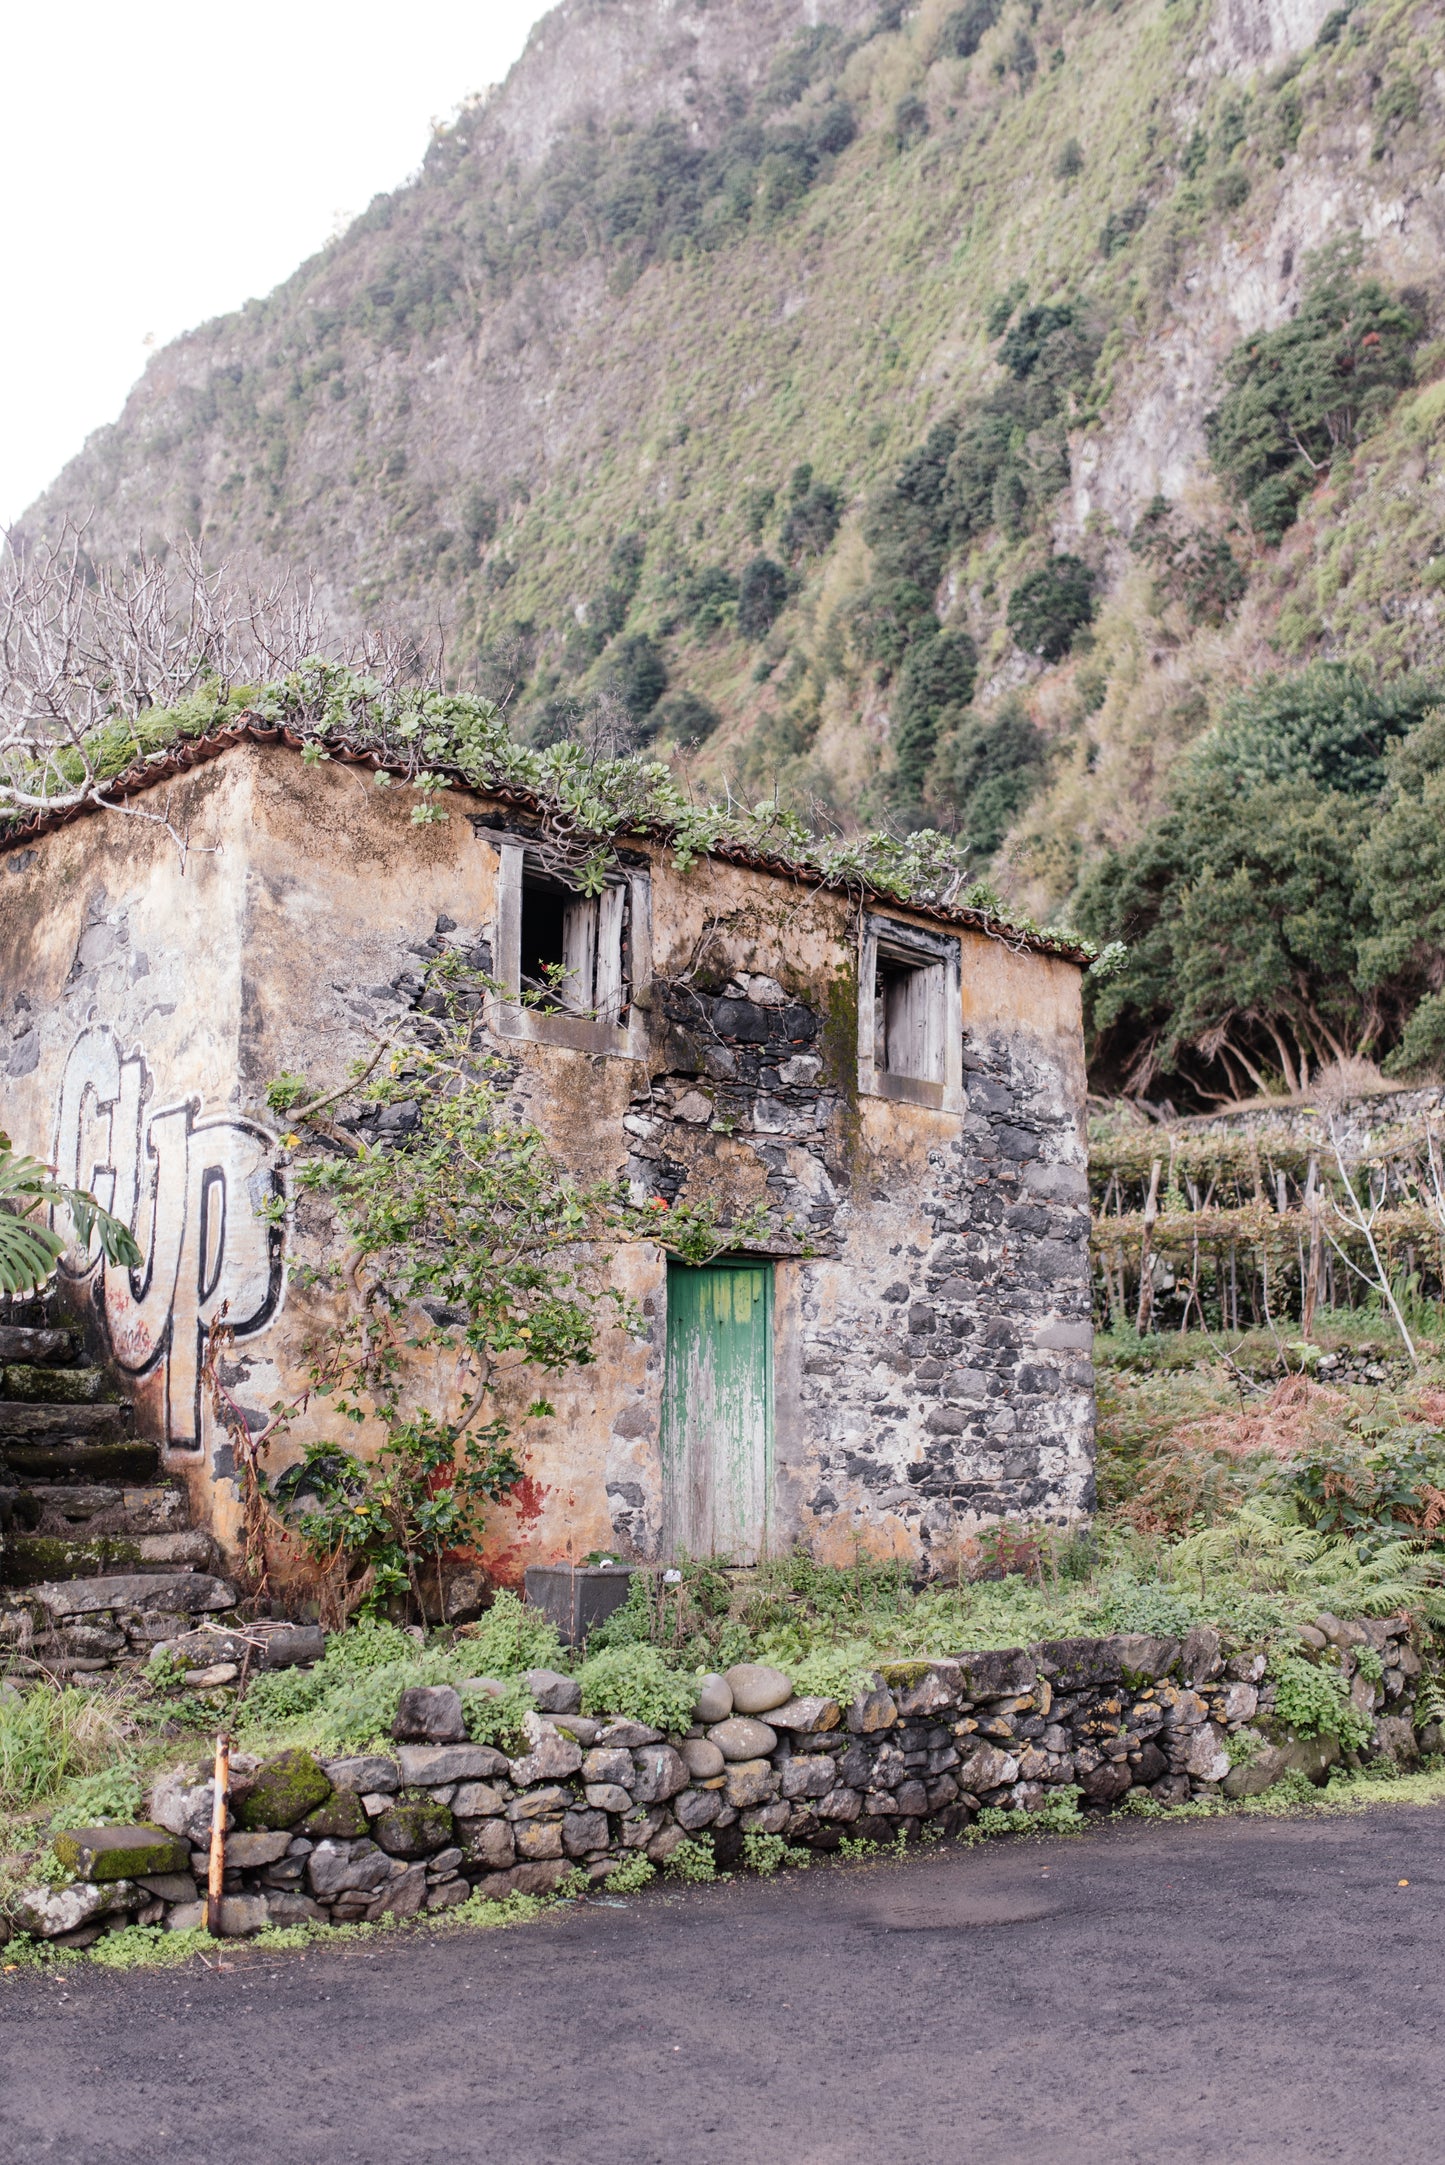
{"x":577,"y":1601}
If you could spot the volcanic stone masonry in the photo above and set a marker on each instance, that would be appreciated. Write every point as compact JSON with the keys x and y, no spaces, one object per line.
{"x":900,"y":1090}
{"x":926,"y":1747}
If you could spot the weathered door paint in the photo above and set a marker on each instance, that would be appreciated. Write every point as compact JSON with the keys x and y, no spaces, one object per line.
{"x":717,"y":1428}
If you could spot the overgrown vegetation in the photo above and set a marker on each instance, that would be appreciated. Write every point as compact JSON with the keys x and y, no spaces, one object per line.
{"x":29,"y":1249}
{"x":1284,"y":911}
{"x":1305,"y":395}
{"x":469,"y":1255}
{"x":582,"y":569}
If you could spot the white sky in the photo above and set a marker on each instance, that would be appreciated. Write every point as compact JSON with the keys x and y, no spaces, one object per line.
{"x":168,"y":159}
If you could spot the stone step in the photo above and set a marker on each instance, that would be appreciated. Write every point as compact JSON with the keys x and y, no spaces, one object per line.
{"x":42,"y":1459}
{"x":28,"y":1381}
{"x":33,"y":1342}
{"x":183,"y":1593}
{"x":158,"y":1508}
{"x":27,"y":1314}
{"x":35,"y":1559}
{"x":21,"y":1417}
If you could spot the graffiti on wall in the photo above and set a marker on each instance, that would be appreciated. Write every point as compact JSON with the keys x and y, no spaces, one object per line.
{"x":191,"y":1187}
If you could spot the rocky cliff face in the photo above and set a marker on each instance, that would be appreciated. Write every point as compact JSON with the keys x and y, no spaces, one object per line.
{"x":558,"y":389}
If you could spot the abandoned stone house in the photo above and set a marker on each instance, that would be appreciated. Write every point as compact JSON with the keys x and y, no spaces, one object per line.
{"x":907,"y":1361}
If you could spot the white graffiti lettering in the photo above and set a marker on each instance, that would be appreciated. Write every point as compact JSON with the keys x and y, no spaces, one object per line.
{"x":191,"y":1189}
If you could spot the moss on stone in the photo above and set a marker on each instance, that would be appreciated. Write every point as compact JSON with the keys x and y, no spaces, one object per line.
{"x":281,"y":1791}
{"x":32,"y":1559}
{"x":102,"y":1854}
{"x":902,"y":1675}
{"x":341,"y":1818}
{"x":53,"y":1386}
{"x":415,"y":1827}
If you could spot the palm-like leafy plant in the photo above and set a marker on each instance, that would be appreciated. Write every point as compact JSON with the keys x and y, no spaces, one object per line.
{"x":30,"y":1251}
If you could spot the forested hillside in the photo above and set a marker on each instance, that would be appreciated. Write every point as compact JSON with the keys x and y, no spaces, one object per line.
{"x":1018,"y":416}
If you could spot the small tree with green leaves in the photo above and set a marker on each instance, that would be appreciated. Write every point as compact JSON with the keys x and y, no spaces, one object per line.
{"x":1302,"y":396}
{"x":471,"y":1258}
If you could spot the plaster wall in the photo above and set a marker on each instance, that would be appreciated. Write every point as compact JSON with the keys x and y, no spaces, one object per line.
{"x":931,"y":1290}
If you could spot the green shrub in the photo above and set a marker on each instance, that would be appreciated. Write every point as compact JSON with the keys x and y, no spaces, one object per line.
{"x":496,"y":1718}
{"x":1046,"y":609}
{"x":633,"y":1874}
{"x":1315,"y":1702}
{"x":511,"y":1637}
{"x":767,"y":1853}
{"x":988,"y":767}
{"x":1299,"y":396}
{"x":636,"y":1682}
{"x":693,"y":1860}
{"x":350,"y":1699}
{"x":937,"y":674}
{"x":761,"y":594}
{"x":637,"y":673}
{"x":965,"y":29}
{"x":1191,"y":566}
{"x":1120,"y":227}
{"x":709,"y":599}
{"x":110,"y":1798}
{"x":685,"y":717}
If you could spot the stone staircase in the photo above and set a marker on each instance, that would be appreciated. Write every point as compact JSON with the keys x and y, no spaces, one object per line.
{"x":99,"y":1562}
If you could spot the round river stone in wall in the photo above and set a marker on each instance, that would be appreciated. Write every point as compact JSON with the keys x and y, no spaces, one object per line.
{"x":757,"y":1689}
{"x":702,"y":1760}
{"x":739,"y":1738}
{"x":714,"y":1700}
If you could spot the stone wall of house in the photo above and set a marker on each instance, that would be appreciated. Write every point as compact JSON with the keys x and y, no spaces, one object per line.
{"x":438,"y":1819}
{"x":930,"y":1266}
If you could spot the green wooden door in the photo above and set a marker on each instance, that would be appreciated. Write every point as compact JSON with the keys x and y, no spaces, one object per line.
{"x":717,"y":1426}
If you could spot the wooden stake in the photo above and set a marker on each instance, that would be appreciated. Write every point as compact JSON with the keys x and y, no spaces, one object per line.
{"x":216,"y":1878}
{"x":1146,"y":1281}
{"x":1312,"y":1280}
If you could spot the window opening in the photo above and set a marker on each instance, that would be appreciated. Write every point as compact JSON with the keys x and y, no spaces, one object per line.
{"x":572,"y":948}
{"x":908,"y":1017}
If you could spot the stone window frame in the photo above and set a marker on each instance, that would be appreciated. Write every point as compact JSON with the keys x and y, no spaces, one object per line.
{"x":889,"y":938}
{"x":623,"y":959}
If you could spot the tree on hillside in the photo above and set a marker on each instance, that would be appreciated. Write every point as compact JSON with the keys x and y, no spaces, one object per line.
{"x":1240,"y":912}
{"x":1402,"y":867}
{"x":1300,"y":396}
{"x":1327,"y":723}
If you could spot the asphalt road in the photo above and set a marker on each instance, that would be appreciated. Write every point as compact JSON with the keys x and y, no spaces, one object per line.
{"x":1252,"y":1990}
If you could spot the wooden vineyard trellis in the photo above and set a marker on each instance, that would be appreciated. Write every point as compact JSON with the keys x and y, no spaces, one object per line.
{"x":1238,"y":1231}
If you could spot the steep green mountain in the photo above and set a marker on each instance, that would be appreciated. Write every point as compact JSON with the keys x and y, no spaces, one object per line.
{"x":941,"y":411}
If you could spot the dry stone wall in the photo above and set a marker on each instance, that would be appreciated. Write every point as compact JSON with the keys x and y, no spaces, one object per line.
{"x":438,"y":1819}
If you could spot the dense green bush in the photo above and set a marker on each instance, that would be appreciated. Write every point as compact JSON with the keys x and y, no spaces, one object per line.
{"x":1191,"y":566}
{"x":814,"y":511}
{"x":937,"y":674}
{"x":1050,"y":606}
{"x":637,"y":673}
{"x":1327,"y":723}
{"x":685,"y":717}
{"x":1299,"y":397}
{"x":1120,"y":227}
{"x":1315,"y":1702}
{"x":988,"y":767}
{"x":709,"y":599}
{"x":1287,"y":903}
{"x":965,"y":29}
{"x":637,"y":1681}
{"x":762,"y":593}
{"x":998,"y":462}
